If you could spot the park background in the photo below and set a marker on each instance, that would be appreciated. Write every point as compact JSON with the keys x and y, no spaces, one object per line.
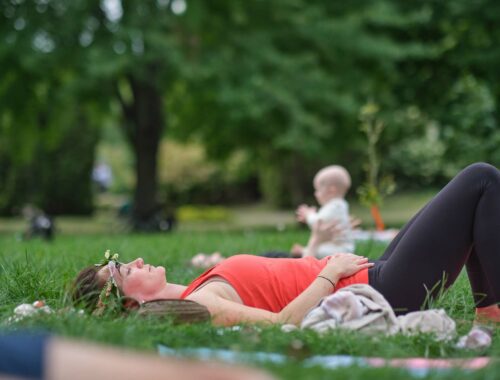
{"x":220,"y":112}
{"x":237,"y":102}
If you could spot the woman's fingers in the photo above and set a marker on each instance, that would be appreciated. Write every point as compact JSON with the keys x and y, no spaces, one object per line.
{"x":347,"y":256}
{"x":366,"y":265}
{"x":360,"y":258}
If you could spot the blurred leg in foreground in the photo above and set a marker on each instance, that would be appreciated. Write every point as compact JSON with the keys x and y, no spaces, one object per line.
{"x":38,"y":356}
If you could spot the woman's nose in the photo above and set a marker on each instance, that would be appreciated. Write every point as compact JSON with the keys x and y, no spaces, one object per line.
{"x":139,"y":262}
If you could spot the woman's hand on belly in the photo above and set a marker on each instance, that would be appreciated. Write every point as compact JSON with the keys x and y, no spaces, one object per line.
{"x":343,"y":265}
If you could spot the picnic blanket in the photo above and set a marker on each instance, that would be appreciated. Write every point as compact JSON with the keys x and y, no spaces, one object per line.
{"x":418,"y":367}
{"x":361,"y":308}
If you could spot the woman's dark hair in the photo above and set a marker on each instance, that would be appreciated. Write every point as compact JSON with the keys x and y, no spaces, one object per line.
{"x":87,"y":287}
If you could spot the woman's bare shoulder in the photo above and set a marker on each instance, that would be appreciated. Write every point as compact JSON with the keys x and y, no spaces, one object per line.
{"x":216,"y":286}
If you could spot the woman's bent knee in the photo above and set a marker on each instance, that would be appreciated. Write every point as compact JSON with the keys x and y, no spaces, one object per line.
{"x":483,"y":171}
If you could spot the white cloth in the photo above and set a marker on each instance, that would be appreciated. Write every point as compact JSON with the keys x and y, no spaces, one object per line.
{"x":336,"y":209}
{"x":360,"y":307}
{"x":478,"y":338}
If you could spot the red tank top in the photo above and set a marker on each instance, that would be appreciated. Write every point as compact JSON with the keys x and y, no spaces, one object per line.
{"x":270,"y":283}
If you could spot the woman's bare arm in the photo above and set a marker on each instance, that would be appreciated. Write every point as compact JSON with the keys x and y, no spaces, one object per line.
{"x":227,"y":313}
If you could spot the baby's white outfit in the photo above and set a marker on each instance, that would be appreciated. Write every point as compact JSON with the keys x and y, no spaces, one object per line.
{"x":336,"y":209}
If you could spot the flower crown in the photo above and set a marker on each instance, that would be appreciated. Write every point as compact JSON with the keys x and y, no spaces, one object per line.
{"x":111,"y":261}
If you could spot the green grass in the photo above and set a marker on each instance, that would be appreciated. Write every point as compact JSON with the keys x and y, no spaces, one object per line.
{"x":38,"y":270}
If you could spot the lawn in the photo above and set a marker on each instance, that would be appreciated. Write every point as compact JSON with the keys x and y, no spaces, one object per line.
{"x":39,"y":270}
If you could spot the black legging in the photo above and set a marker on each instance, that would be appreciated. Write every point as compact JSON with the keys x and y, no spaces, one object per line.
{"x":460,"y":226}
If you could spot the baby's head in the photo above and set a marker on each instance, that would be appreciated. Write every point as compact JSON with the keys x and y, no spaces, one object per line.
{"x":331,"y":182}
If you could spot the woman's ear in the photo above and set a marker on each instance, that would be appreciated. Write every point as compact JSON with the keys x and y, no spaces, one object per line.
{"x":129,"y":303}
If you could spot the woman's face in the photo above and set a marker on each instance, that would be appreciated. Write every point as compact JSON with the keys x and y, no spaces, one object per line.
{"x":138,"y":280}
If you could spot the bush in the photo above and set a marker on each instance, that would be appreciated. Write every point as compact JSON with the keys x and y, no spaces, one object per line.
{"x":186,"y":176}
{"x":434,"y":148}
{"x":418,"y":160}
{"x":470,"y":130}
{"x":190,"y":213}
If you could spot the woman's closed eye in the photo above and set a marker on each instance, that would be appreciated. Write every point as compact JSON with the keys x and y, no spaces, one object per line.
{"x":118,"y":268}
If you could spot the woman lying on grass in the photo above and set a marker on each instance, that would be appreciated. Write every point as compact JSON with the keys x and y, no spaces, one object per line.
{"x":459,"y":227}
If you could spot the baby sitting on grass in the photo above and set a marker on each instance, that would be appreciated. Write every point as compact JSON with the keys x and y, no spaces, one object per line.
{"x":331,"y":184}
{"x":330,"y":187}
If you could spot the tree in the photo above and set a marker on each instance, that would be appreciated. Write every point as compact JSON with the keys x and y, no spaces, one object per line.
{"x":135,"y":51}
{"x":115,"y":53}
{"x":47,"y":130}
{"x":282,"y":80}
{"x":285,"y":81}
{"x":452,"y":95}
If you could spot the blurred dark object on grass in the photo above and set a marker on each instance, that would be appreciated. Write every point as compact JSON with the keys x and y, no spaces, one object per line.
{"x":163,"y":219}
{"x":39,"y":224}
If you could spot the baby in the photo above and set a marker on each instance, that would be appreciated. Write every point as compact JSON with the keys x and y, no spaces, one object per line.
{"x":330,"y":186}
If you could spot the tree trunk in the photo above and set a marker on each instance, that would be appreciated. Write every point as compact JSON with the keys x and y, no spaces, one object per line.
{"x":144,"y":127}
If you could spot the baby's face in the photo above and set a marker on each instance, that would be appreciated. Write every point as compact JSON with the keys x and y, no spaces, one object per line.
{"x":331,"y":182}
{"x":323,"y":193}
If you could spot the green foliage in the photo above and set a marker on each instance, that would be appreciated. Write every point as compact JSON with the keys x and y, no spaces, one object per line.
{"x":370,"y":195}
{"x":287,"y":180}
{"x":435,"y":149}
{"x":62,"y":55}
{"x":417,"y":158}
{"x":187,"y":176}
{"x":47,"y":122}
{"x":55,"y":174}
{"x":203,"y":213}
{"x":470,"y":129}
{"x":375,"y":188}
{"x":449,"y":100}
{"x":287,"y":82}
{"x":281,"y":81}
